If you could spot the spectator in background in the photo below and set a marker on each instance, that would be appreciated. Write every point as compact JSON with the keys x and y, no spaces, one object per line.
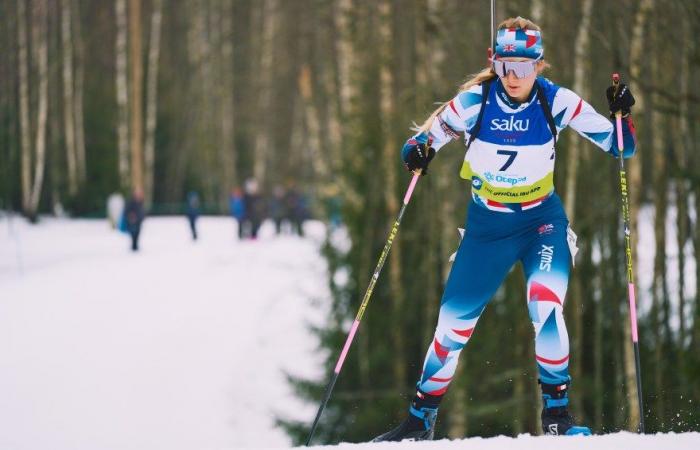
{"x":332,"y":203}
{"x":296,"y":207}
{"x":254,"y":208}
{"x":115,"y":208}
{"x":237,"y":207}
{"x":133,"y":217}
{"x":277,"y":209}
{"x":192,"y":211}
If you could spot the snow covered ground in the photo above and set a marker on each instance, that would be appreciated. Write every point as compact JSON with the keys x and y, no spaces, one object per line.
{"x":618,"y":441}
{"x":182,"y":346}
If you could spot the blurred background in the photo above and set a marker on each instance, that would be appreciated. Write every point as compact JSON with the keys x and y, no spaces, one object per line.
{"x":169,"y":98}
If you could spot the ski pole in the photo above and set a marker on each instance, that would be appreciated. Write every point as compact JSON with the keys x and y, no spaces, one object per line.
{"x":363,"y":306}
{"x":628,"y":253}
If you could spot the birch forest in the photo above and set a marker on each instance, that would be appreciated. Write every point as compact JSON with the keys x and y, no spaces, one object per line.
{"x":166,"y":96}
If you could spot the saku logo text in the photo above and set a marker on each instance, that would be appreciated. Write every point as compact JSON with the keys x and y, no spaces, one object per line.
{"x":510,"y":124}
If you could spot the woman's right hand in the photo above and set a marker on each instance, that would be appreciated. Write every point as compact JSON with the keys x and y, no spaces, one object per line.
{"x":417,"y":155}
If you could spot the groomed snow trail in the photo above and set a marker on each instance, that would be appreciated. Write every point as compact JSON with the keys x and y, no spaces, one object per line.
{"x":182,"y":346}
{"x":616,"y":441}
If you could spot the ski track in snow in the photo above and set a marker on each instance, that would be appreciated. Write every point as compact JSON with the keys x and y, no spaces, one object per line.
{"x":616,"y":441}
{"x":182,"y":346}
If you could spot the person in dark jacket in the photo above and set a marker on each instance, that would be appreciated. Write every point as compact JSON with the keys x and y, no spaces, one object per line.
{"x":237,"y":207}
{"x":254,"y":207}
{"x":277,"y":207}
{"x":133,"y":217}
{"x":295,"y":203}
{"x":192,"y":211}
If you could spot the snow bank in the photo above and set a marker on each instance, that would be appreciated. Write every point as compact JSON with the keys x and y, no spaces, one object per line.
{"x":617,"y":441}
{"x":182,"y":346}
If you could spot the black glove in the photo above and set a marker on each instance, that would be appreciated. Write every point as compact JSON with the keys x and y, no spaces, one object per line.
{"x":620,"y":101}
{"x":418,"y":156}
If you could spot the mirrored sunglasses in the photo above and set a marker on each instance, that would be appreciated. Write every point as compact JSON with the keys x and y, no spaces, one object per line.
{"x":520,"y":69}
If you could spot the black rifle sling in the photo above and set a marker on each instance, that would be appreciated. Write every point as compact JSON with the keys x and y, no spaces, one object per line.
{"x":474,"y":132}
{"x":547,"y":111}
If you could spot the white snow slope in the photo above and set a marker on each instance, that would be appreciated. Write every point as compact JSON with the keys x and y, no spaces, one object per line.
{"x":617,"y":441}
{"x":182,"y":346}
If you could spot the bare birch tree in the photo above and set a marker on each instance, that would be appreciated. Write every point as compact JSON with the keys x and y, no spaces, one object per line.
{"x":634,"y":181}
{"x":136,"y":99}
{"x":581,"y":69}
{"x":25,"y":125}
{"x":683,"y":143}
{"x":33,"y":157}
{"x":151,"y":98}
{"x":264,"y":77}
{"x":122,"y":92}
{"x":39,"y":38}
{"x":226,"y":144}
{"x":79,"y":66}
{"x":68,"y":100}
{"x":311,"y":115}
{"x":389,"y":156}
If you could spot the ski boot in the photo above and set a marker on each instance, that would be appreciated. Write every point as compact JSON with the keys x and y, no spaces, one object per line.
{"x":556,"y":419}
{"x":420,"y":423}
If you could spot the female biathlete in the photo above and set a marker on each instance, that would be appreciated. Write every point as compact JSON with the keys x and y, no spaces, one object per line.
{"x":510,"y":117}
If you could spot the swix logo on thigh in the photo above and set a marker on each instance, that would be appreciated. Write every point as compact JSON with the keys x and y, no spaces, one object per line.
{"x":510,"y":124}
{"x":546,"y":256}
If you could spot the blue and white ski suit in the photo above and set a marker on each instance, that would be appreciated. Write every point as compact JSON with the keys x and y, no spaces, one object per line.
{"x":514,"y":215}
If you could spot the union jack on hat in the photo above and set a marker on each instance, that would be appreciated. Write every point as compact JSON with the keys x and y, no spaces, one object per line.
{"x":519,"y":43}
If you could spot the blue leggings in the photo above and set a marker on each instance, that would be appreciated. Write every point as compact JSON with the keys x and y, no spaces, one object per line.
{"x":493,"y":243}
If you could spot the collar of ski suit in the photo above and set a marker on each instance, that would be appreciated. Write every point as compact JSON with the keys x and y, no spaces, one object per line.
{"x":507,"y":102}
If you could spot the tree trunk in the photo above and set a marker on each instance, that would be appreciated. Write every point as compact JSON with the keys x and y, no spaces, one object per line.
{"x":198,"y":148}
{"x":136,"y":102}
{"x":264,"y":77}
{"x":390,"y":158}
{"x":227,"y":147}
{"x":79,"y":57}
{"x":68,"y":99}
{"x":313,"y":128}
{"x":346,"y":66}
{"x":598,"y":330}
{"x":33,"y":158}
{"x":537,"y":12}
{"x":151,"y":98}
{"x":208,"y":36}
{"x":25,"y":125}
{"x":682,"y":142}
{"x":346,"y":54}
{"x":634,"y":175}
{"x":659,"y":289}
{"x":581,"y":69}
{"x":122,"y":92}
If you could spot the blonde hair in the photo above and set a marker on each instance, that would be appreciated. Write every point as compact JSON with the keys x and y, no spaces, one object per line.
{"x":487,"y":73}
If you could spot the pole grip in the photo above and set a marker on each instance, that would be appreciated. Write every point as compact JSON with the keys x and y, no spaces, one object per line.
{"x":618,"y":125}
{"x":411,"y":187}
